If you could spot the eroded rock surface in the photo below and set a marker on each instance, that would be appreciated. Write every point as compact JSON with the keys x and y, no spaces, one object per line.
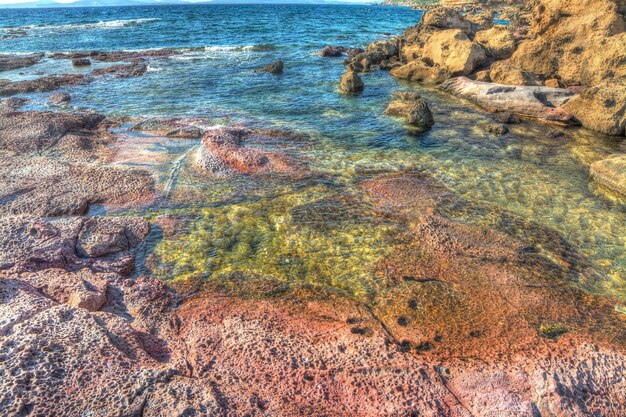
{"x":541,"y":103}
{"x":412,"y":107}
{"x":235,"y":150}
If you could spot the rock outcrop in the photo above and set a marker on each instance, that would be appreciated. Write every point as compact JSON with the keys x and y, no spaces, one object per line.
{"x":47,"y":165}
{"x":497,"y":41}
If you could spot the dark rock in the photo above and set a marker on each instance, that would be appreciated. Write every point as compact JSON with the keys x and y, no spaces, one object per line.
{"x":136,"y":69}
{"x":497,"y":129}
{"x":53,"y":82}
{"x":273,"y":68}
{"x":332,"y":51}
{"x":14,"y":102}
{"x":351,"y":82}
{"x":412,"y":107}
{"x":507,"y":118}
{"x":8,"y":63}
{"x":81,"y":62}
{"x":60,"y":98}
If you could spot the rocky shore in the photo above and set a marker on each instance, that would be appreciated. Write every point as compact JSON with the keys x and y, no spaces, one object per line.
{"x":554,"y":62}
{"x":471,"y":320}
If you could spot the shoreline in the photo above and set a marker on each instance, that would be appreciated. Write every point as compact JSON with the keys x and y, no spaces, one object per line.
{"x":461,"y":317}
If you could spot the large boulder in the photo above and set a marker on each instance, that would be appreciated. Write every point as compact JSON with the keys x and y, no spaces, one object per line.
{"x":578,"y":42}
{"x":497,"y":41}
{"x":541,"y":103}
{"x":601,"y":108}
{"x":412,"y":107}
{"x":350,"y":82}
{"x":418,"y":70}
{"x":611,"y":173}
{"x":454,"y":51}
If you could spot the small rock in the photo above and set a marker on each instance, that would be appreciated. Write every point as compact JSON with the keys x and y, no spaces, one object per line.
{"x":332,"y":51}
{"x":412,"y":107}
{"x":14,"y":102}
{"x":60,"y":98}
{"x":497,"y":129}
{"x":81,"y":62}
{"x":351,"y":82}
{"x":273,"y":68}
{"x":507,"y":118}
{"x":553,"y":83}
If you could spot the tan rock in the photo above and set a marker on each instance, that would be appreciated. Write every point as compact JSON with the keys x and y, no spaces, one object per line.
{"x":503,"y":72}
{"x":412,"y":107}
{"x":601,"y":108}
{"x":581,"y":42}
{"x":351,"y":82}
{"x":611,"y":173}
{"x":411,"y":52}
{"x":497,"y":41}
{"x":454,"y":51}
{"x":419,"y":71}
{"x":554,"y":83}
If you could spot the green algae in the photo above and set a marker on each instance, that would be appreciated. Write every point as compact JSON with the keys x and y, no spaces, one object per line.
{"x":285,"y":238}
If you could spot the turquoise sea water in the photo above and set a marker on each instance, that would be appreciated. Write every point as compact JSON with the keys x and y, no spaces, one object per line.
{"x":540,"y":179}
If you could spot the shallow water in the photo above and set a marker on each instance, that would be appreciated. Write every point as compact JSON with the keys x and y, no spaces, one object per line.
{"x":318,"y":229}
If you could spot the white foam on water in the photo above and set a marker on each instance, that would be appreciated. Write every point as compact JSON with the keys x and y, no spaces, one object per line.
{"x":108,"y":24}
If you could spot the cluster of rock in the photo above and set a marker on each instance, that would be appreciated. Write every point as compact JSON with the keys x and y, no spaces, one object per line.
{"x":134,"y":68}
{"x":558,"y":62}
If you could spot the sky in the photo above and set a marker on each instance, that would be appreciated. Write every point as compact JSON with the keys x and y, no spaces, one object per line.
{"x":8,"y":3}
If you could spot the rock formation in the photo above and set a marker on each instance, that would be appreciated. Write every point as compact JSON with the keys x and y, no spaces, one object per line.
{"x":350,"y":82}
{"x":412,"y":107}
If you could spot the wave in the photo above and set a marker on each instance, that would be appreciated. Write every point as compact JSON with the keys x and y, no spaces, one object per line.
{"x":107,"y":24}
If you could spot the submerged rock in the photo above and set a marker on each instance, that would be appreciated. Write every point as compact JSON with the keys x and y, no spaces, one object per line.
{"x":122,"y":71}
{"x":350,"y":82}
{"x":81,"y":62}
{"x":273,"y":68}
{"x":412,"y":107}
{"x":49,"y":83}
{"x":541,"y":103}
{"x":611,"y":173}
{"x":14,"y":102}
{"x":497,"y":129}
{"x":230,"y":150}
{"x":8,"y":63}
{"x":60,"y":98}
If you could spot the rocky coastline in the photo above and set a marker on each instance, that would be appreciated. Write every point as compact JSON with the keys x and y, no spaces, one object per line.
{"x":471,"y":320}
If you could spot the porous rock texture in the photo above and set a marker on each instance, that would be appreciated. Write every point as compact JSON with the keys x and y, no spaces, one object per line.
{"x":52,"y":164}
{"x":459,"y":331}
{"x":9,"y":62}
{"x":233,"y":150}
